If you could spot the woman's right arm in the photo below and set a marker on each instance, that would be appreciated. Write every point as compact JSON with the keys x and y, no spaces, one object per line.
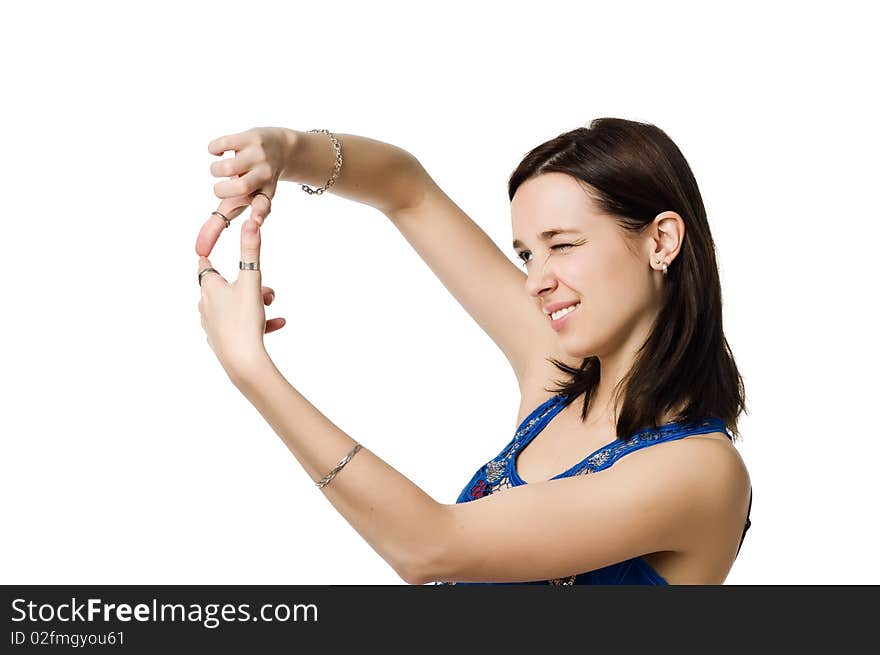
{"x":458,"y":251}
{"x":374,"y":173}
{"x":462,"y":256}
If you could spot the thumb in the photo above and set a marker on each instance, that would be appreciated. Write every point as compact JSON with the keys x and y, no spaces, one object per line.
{"x":250,"y":252}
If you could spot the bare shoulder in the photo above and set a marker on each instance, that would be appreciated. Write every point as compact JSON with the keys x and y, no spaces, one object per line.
{"x":709,"y":459}
{"x":711,"y":468}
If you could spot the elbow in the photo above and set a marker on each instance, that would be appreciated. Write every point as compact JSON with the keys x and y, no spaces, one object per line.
{"x":419,"y":575}
{"x":415,"y":573}
{"x":414,"y":579}
{"x":431,"y":561}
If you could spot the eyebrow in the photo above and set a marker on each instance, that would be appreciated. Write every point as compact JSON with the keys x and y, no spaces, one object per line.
{"x":546,"y":235}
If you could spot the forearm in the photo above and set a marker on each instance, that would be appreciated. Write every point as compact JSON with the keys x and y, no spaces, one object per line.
{"x":374,"y":173}
{"x":399,"y":520}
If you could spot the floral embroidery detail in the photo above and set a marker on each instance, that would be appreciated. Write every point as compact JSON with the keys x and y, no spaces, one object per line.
{"x":484,"y":487}
{"x":525,"y":428}
{"x":599,"y":458}
{"x":583,"y":470}
{"x":478,"y":490}
{"x":495,"y":469}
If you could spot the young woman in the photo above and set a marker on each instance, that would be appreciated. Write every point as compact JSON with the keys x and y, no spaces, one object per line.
{"x":626,"y":472}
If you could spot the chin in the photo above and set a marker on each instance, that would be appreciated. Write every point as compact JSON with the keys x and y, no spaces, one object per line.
{"x":580,"y":350}
{"x":578,"y":346}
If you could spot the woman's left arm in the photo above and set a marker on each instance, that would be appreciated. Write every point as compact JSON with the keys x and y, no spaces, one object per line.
{"x":399,"y":520}
{"x":390,"y":512}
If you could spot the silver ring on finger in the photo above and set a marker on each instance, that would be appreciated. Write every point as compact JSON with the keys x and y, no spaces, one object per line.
{"x":203,"y":272}
{"x":260,"y":193}
{"x":225,"y":220}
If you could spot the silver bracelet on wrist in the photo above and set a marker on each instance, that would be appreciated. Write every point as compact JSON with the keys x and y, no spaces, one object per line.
{"x":323,"y":481}
{"x":336,"y":167}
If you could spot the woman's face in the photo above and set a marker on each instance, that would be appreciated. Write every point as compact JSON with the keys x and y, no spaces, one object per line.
{"x":614,"y":282}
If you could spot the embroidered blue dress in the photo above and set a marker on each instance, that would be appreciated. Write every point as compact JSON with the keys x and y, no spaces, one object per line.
{"x":501,"y":473}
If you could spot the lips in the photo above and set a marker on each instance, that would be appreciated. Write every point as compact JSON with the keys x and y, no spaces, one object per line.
{"x":565,"y":311}
{"x":558,"y":323}
{"x":556,"y":306}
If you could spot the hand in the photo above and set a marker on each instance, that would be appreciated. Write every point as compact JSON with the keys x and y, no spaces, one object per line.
{"x":258,"y":163}
{"x":232,"y":314}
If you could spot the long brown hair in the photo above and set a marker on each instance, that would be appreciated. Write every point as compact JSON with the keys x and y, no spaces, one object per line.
{"x":633,"y":172}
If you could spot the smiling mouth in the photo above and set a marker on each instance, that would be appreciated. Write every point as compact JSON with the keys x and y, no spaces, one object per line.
{"x":565,"y":311}
{"x":558,"y":323}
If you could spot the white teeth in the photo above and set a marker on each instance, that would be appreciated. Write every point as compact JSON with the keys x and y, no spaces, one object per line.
{"x":562,"y":312}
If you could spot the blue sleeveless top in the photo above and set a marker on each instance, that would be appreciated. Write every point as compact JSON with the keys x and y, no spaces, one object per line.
{"x":501,"y":473}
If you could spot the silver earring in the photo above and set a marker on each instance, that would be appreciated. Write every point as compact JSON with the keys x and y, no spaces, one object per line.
{"x":665,"y":267}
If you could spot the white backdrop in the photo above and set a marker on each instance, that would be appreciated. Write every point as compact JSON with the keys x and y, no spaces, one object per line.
{"x":128,"y":457}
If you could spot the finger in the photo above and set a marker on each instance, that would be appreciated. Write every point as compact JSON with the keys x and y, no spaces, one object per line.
{"x":274,"y":324}
{"x":268,"y":295}
{"x":241,"y":186}
{"x":237,"y":165}
{"x":209,"y":234}
{"x":214,"y":225}
{"x":229,"y":142}
{"x":261,"y":206}
{"x":250,"y":252}
{"x":209,"y":279}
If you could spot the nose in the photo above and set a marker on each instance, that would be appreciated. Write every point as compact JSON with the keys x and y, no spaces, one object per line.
{"x":540,"y":280}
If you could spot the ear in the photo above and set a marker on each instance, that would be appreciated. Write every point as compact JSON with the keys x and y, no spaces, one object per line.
{"x":665,"y":236}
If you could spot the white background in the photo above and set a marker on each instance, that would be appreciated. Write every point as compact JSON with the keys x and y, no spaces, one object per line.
{"x":128,"y":457}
